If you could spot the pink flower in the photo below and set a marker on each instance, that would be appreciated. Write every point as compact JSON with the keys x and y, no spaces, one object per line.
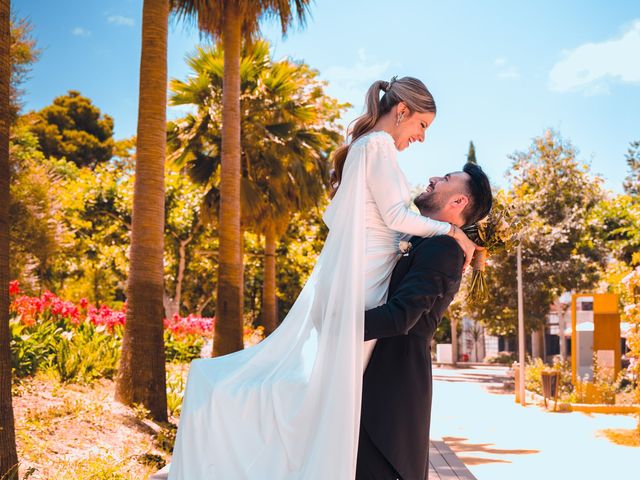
{"x":27,"y":308}
{"x":106,"y":316}
{"x":190,"y":325}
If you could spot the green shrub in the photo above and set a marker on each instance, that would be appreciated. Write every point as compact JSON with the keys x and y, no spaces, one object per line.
{"x":601,"y":389}
{"x":83,"y":352}
{"x":533,"y":374}
{"x":175,"y":392}
{"x":86,"y":354}
{"x":503,"y":358}
{"x":166,"y":437}
{"x":182,"y":349}
{"x":32,"y":347}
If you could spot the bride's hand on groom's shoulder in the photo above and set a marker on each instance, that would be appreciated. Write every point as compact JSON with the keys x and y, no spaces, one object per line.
{"x":468,"y":246}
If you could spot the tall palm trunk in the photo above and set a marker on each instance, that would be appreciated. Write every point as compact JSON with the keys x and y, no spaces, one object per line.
{"x":8,"y":455}
{"x":269,"y":319}
{"x":228,"y":331}
{"x":141,"y":377}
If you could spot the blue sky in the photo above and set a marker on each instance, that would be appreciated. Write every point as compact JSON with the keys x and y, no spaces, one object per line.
{"x":501,"y":72}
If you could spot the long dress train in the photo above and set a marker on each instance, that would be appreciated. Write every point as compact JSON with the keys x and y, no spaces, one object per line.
{"x":289,"y":407}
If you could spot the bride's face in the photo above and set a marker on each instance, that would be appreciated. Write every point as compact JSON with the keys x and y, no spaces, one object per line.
{"x":412,"y":128}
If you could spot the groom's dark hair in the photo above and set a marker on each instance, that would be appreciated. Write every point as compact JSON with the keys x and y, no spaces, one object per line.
{"x":480,"y":196}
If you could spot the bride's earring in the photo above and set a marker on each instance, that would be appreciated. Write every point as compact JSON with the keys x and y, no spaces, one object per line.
{"x":399,"y":119}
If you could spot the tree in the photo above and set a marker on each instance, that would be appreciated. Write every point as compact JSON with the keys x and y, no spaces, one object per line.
{"x":297,"y":253}
{"x":73,"y":128}
{"x":553,"y":194}
{"x":282,"y":101}
{"x":288,"y":130}
{"x":8,"y":454}
{"x":230,"y":20}
{"x":615,"y":223}
{"x":95,"y":210}
{"x":190,"y":247}
{"x":37,"y":231}
{"x":23,"y":54}
{"x":632,"y":181}
{"x":471,"y":156}
{"x":141,"y":375}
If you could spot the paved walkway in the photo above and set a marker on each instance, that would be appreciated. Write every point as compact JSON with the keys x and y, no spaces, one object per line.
{"x":498,"y":439}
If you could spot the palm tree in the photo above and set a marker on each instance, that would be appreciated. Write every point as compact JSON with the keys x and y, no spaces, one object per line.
{"x":229,"y":21}
{"x":8,"y":455}
{"x":141,"y":376}
{"x":287,"y":129}
{"x":477,"y":333}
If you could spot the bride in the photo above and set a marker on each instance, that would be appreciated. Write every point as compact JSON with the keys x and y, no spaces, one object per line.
{"x":289,"y":407}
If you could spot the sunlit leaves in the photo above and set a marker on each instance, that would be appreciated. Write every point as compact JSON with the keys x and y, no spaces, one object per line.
{"x":552,"y":195}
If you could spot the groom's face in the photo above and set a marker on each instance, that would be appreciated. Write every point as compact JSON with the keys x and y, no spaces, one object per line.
{"x":441,"y":190}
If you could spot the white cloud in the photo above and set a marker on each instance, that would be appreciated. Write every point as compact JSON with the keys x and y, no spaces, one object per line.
{"x":351,"y":83}
{"x":591,"y":67}
{"x":80,"y":32}
{"x":120,"y":20}
{"x":509,"y":73}
{"x":506,"y":71}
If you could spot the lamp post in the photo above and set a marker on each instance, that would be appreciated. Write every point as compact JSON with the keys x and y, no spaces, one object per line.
{"x":521,"y":333}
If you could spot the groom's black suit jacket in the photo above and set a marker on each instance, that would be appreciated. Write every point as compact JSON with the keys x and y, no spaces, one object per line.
{"x":396,"y":402}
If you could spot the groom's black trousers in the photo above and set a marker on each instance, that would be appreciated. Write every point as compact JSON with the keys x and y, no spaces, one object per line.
{"x":371,"y":464}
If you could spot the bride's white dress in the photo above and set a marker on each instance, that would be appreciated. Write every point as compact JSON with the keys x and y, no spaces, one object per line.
{"x":289,"y":407}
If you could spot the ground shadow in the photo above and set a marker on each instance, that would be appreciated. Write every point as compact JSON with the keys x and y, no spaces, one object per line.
{"x":460,"y":446}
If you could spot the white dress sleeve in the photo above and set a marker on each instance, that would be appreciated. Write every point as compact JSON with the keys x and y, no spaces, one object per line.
{"x":389,"y":188}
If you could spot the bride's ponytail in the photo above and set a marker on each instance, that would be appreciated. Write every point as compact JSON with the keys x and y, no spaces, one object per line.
{"x":361,"y":126}
{"x":407,"y":89}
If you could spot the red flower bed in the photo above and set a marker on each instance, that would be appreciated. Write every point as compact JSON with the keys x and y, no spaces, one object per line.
{"x":190,"y":325}
{"x":51,"y":307}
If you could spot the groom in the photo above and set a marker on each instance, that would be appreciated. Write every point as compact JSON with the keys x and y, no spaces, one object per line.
{"x":396,"y":398}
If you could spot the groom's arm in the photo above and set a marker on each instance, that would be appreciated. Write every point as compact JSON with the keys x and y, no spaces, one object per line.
{"x":437,"y":266}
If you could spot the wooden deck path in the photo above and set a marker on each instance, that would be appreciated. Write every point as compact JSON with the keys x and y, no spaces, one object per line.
{"x":444,"y":464}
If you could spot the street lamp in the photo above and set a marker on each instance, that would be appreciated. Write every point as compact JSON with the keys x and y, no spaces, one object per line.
{"x":521,"y":334}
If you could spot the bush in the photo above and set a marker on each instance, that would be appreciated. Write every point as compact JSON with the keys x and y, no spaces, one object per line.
{"x":182,"y":348}
{"x":81,"y":342}
{"x":80,"y":354}
{"x":86,"y":354}
{"x":32,"y":347}
{"x":175,"y":392}
{"x":503,"y":358}
{"x":601,"y":389}
{"x":533,"y":374}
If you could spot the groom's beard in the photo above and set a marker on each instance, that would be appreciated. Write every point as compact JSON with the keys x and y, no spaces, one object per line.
{"x":429,"y":203}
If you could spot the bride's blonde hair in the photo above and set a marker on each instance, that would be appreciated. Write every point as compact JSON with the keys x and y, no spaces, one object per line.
{"x":409,"y":90}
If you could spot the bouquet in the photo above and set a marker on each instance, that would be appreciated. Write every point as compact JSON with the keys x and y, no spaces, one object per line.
{"x":499,"y":231}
